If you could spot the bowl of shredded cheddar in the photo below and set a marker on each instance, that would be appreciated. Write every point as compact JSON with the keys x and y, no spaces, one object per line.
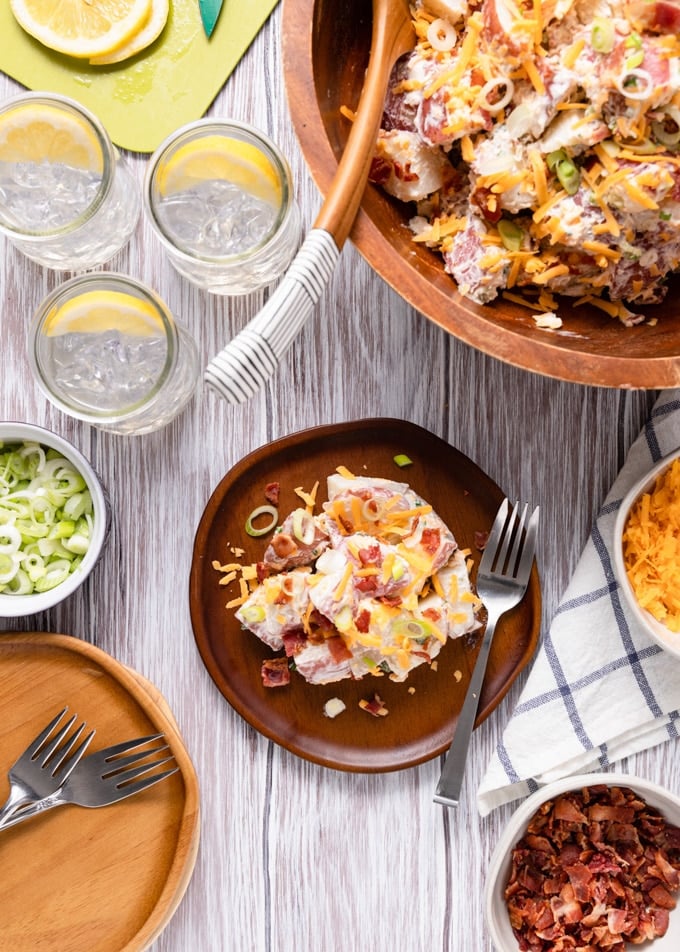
{"x":524,"y":193}
{"x":647,"y":552}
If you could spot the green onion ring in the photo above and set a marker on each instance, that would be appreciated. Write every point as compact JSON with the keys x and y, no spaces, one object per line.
{"x":261,"y":511}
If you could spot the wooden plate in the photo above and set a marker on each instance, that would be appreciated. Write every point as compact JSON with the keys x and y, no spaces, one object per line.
{"x":325,"y":51}
{"x":108,"y":879}
{"x":420,"y":724}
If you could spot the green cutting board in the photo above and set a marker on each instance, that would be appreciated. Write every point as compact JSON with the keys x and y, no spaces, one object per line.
{"x":144,"y":99}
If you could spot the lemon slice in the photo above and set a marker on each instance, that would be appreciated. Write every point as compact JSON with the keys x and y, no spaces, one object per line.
{"x":95,"y":312}
{"x":36,"y":132}
{"x":150,"y":31}
{"x":82,"y":28}
{"x":220,"y":157}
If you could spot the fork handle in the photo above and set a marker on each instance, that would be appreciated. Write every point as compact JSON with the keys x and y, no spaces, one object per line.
{"x":34,"y":809}
{"x":17,"y":798}
{"x":451,"y":779}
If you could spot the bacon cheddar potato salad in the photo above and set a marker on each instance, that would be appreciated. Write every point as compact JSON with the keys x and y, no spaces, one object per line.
{"x":540,"y":143}
{"x":374,"y":584}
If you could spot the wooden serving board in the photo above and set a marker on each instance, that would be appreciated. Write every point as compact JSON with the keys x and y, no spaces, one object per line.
{"x":76,"y":879}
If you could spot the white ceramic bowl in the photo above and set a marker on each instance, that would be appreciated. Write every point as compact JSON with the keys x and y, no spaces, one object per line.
{"x":657,"y":631}
{"x":14,"y":606}
{"x":496,"y":912}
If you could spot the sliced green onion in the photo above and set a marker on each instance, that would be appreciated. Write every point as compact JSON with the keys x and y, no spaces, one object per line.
{"x":568,"y":175}
{"x":551,"y":160}
{"x":343,"y":620}
{"x":62,"y":529}
{"x":634,"y":41}
{"x":665,"y":216}
{"x":401,"y":459}
{"x":252,"y":614}
{"x":666,"y":129}
{"x":511,"y":234}
{"x":45,"y":518}
{"x":398,"y":568}
{"x":21,"y":584}
{"x":256,"y":531}
{"x":610,"y":147}
{"x":603,"y":35}
{"x":635,"y":60}
{"x":412,"y":628}
{"x":10,"y":539}
{"x":9,"y":566}
{"x":57,"y":572}
{"x":635,"y":83}
{"x":303,"y":526}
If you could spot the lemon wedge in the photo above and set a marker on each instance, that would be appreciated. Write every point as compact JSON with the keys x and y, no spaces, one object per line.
{"x":82,"y":28}
{"x":37,"y":132}
{"x":150,"y":31}
{"x":220,"y":157}
{"x":95,"y":312}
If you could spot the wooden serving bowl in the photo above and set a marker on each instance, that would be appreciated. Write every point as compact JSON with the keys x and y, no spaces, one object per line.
{"x":325,"y":52}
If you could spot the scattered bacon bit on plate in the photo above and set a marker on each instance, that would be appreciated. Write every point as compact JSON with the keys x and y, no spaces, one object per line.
{"x":481,"y":539}
{"x":374,"y":706}
{"x":595,"y":869}
{"x":275,"y":672}
{"x":271,"y":493}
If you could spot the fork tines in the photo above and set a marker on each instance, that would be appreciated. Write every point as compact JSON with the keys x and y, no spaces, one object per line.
{"x":504,"y":553}
{"x":54,"y":750}
{"x":137,"y":763}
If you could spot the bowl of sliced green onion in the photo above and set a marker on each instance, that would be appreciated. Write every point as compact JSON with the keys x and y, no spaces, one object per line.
{"x":54,"y":518}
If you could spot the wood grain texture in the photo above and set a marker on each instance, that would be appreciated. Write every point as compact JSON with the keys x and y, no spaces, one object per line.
{"x":293,"y":855}
{"x":127,"y":865}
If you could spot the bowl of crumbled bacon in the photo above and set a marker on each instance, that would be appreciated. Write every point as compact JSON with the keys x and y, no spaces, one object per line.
{"x":524,"y":193}
{"x":588,"y":862}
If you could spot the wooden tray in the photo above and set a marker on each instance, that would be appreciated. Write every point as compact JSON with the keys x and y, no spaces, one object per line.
{"x":75,"y":879}
{"x":420,"y":725}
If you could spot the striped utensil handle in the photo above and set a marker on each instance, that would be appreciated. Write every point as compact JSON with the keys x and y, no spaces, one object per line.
{"x":251,"y":358}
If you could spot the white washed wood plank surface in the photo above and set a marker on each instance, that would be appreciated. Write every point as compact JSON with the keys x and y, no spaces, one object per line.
{"x":293,"y":856}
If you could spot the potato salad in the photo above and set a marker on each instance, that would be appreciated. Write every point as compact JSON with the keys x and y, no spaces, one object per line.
{"x":539,"y":142}
{"x":374,"y":584}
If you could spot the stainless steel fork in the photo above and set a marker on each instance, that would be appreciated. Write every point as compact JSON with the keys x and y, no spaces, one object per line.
{"x":45,"y":765}
{"x":106,"y":777}
{"x":502,"y":580}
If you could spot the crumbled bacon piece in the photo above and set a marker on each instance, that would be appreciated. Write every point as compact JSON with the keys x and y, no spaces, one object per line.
{"x":275,"y":672}
{"x":481,"y":539}
{"x":596,"y":869}
{"x":374,"y":706}
{"x":430,"y":539}
{"x":271,"y":493}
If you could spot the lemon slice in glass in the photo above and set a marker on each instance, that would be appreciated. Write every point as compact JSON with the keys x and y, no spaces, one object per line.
{"x":82,"y":28}
{"x":96,"y":312}
{"x":220,"y":157}
{"x":37,"y":132}
{"x":150,"y":31}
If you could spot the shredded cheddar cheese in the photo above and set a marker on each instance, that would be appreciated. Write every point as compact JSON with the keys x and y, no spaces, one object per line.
{"x":651,"y":548}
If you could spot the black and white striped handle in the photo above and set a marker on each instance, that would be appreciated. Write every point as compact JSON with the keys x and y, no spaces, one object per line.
{"x":251,"y":358}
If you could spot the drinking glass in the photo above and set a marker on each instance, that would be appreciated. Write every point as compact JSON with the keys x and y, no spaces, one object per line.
{"x":219,"y":197}
{"x":106,"y":349}
{"x":67,"y":198}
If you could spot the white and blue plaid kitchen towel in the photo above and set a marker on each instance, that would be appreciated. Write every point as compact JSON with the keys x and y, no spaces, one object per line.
{"x":599,"y":688}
